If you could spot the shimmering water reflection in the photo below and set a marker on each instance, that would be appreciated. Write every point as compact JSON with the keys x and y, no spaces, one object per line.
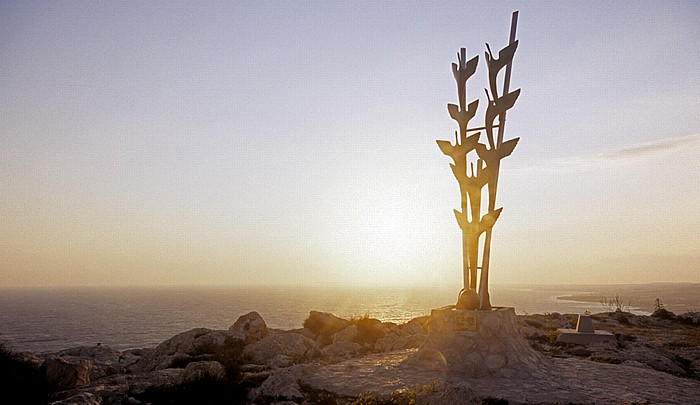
{"x":50,"y":319}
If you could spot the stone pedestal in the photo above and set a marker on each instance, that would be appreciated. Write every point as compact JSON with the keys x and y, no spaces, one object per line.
{"x":584,"y":333}
{"x":477,"y":344}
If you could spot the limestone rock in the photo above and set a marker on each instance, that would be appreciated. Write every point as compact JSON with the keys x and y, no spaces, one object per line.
{"x":204,"y":369}
{"x":324,"y":326}
{"x":30,"y":358}
{"x":579,"y":351}
{"x":416,"y":326}
{"x":251,"y":326}
{"x":401,"y":337}
{"x":254,"y":378}
{"x":137,"y":384}
{"x":66,"y":374}
{"x":180,"y":347}
{"x":107,"y":393}
{"x":343,"y":349}
{"x":83,"y":398}
{"x":370,"y":330}
{"x":98,"y":353}
{"x":346,"y":335}
{"x":283,"y":384}
{"x":280,"y":361}
{"x":306,"y":332}
{"x":662,"y":313}
{"x":128,"y":358}
{"x":691,"y":317}
{"x":297,"y":347}
{"x":564,"y":323}
{"x":162,"y":378}
{"x":655,"y":360}
{"x":634,"y":363}
{"x":105,"y":360}
{"x":162,"y":356}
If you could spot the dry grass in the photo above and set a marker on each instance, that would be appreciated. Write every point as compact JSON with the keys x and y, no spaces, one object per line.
{"x":687,"y":338}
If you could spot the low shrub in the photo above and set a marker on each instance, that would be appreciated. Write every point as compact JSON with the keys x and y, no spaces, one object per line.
{"x":622,"y":317}
{"x":534,"y":323}
{"x":494,"y":401}
{"x":324,"y":326}
{"x":368,"y":330}
{"x":663,"y":313}
{"x":549,"y":338}
{"x":21,"y":379}
{"x":690,"y":338}
{"x":616,"y":304}
{"x":406,"y":396}
{"x":317,"y":396}
{"x":622,"y":338}
{"x":206,"y":391}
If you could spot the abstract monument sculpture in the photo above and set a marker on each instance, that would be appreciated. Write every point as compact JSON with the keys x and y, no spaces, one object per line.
{"x":463,"y":339}
{"x":482,"y":171}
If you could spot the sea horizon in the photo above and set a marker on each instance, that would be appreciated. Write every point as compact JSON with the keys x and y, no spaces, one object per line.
{"x":45,"y":319}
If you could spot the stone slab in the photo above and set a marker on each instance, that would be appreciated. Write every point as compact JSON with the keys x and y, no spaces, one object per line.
{"x":579,"y":338}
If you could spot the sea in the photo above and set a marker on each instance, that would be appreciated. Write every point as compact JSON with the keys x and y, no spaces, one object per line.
{"x":51,"y":319}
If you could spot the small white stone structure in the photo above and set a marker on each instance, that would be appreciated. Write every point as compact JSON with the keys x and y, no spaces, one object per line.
{"x":584,"y":333}
{"x":477,"y":344}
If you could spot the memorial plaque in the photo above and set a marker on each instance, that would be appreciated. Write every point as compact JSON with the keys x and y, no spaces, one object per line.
{"x":465,"y":323}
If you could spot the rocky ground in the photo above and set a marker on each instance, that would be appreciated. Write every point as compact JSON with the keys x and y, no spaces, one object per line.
{"x":653,"y":359}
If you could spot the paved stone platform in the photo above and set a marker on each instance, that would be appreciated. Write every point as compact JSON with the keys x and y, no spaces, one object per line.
{"x":563,"y":381}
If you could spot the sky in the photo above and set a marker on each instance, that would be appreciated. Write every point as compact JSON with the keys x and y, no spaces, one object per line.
{"x":293,"y":142}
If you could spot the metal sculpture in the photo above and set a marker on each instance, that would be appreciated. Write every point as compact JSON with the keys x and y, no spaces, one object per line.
{"x":483,"y":172}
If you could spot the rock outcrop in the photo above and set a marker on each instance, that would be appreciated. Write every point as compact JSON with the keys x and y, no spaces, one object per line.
{"x":83,"y":398}
{"x":401,"y":337}
{"x":460,"y":360}
{"x":183,"y":348}
{"x":65,"y":374}
{"x":324,"y":326}
{"x":104,"y":360}
{"x":251,"y":327}
{"x":203,"y":369}
{"x":282,"y":385}
{"x":296,"y":347}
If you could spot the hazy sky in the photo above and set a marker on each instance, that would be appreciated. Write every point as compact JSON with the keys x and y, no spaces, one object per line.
{"x":294,"y":141}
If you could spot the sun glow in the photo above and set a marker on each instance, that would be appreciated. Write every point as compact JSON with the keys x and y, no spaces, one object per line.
{"x":152,"y":158}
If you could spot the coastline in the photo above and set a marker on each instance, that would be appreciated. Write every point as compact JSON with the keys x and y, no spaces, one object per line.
{"x":652,"y":358}
{"x":50,"y":319}
{"x":640,"y":298}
